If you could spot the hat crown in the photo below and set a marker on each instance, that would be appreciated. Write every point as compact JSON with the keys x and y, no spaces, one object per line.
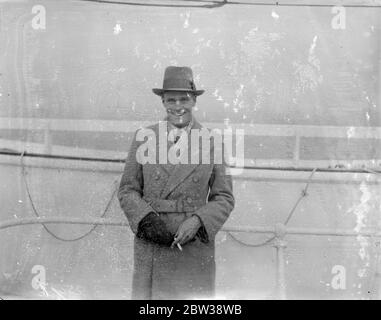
{"x":178,"y":79}
{"x":173,"y":72}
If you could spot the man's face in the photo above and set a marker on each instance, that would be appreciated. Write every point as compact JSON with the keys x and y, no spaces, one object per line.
{"x":179,"y":107}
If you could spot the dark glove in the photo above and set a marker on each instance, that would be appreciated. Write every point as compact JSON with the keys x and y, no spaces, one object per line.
{"x":152,"y":228}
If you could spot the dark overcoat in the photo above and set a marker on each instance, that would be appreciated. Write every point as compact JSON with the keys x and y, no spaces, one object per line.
{"x":175,"y":192}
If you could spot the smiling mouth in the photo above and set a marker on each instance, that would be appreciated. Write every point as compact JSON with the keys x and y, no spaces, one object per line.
{"x":177,"y":113}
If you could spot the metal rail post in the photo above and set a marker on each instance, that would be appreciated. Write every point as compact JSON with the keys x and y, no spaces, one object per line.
{"x":377,"y":275}
{"x":47,"y":139}
{"x":280,"y":244}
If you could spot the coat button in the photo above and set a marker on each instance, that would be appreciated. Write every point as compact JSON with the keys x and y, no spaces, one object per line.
{"x":189,"y":200}
{"x":195,"y":179}
{"x":157,"y":177}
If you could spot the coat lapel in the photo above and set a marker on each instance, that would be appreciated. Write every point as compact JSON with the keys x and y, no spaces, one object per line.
{"x":180,"y":172}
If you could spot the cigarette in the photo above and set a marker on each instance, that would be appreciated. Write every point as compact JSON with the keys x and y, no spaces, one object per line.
{"x":179,"y":246}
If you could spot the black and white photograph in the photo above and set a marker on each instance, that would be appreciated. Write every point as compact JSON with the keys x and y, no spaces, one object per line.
{"x":195,"y":150}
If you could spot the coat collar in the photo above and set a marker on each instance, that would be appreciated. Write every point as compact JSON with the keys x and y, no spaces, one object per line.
{"x":179,"y":172}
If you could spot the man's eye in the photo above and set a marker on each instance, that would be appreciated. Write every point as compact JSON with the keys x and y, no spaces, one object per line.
{"x":184,"y":100}
{"x":171,"y":100}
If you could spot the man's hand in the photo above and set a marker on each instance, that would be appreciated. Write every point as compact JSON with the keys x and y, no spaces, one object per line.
{"x":152,"y":228}
{"x":187,"y":230}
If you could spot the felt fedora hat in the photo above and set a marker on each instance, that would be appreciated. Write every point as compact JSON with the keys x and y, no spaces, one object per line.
{"x":178,"y":79}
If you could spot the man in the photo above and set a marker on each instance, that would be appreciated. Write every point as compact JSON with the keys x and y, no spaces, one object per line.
{"x":175,"y":209}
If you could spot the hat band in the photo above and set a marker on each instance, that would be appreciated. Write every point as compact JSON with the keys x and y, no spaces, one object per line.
{"x":178,"y":84}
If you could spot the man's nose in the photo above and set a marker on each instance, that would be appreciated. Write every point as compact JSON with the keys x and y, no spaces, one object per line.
{"x":178,"y":105}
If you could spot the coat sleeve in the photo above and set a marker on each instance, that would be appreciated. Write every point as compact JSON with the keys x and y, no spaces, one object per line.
{"x":220,"y":203}
{"x":131,"y":189}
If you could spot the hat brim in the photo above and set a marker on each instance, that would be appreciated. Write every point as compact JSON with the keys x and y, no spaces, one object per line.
{"x":160,"y":92}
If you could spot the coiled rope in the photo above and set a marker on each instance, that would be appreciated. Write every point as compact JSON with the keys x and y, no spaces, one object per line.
{"x":23,"y":174}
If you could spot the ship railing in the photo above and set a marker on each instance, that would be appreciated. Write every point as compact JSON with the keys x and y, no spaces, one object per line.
{"x":48,"y":127}
{"x":279,"y":231}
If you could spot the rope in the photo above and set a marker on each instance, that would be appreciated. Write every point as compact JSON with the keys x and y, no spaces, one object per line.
{"x":263,"y":243}
{"x":206,"y":4}
{"x":216,"y":4}
{"x":23,"y":174}
{"x":11,"y":152}
{"x":372,"y":171}
{"x":64,"y":220}
{"x":269,"y":240}
{"x":253,"y":245}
